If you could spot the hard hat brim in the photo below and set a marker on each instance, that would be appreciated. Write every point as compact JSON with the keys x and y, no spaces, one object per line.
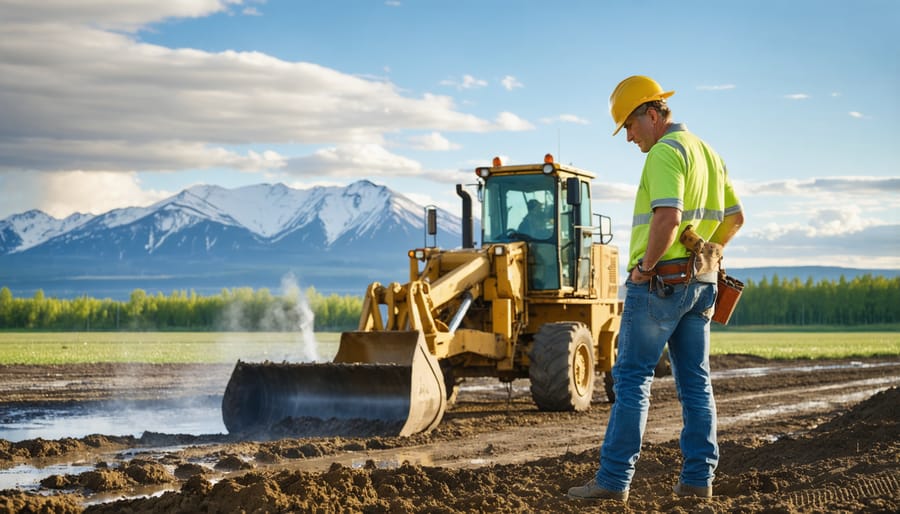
{"x":660,"y":96}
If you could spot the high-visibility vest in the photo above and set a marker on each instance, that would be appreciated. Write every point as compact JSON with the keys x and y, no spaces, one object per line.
{"x":684,"y":172}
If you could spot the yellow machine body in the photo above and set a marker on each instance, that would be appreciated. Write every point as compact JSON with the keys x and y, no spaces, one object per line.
{"x":539,"y":303}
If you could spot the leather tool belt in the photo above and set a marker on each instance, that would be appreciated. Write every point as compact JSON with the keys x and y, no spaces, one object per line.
{"x":706,"y":257}
{"x":674,"y":273}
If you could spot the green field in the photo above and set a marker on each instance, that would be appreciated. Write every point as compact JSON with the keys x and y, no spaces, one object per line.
{"x":807,"y":345}
{"x":227,"y":347}
{"x":160,"y":347}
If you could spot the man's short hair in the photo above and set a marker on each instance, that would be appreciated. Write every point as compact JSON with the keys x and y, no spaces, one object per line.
{"x":659,"y":105}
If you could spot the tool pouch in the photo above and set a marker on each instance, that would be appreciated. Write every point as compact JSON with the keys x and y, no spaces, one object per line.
{"x":729,"y":292}
{"x":705,"y":256}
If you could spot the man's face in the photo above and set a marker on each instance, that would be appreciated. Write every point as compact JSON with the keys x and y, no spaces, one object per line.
{"x":640,"y":129}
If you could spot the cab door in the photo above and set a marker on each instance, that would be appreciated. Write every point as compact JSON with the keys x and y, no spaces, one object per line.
{"x":578,"y":197}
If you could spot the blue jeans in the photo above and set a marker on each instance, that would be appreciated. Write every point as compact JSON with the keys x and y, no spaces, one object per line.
{"x":648,"y":322}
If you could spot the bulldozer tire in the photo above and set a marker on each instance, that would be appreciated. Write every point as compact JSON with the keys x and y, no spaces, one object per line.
{"x":609,"y":385}
{"x":562,"y":367}
{"x":608,"y":381}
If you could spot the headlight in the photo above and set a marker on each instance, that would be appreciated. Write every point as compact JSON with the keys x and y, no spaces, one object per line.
{"x":500,"y":250}
{"x":548,"y":168}
{"x":483,"y":172}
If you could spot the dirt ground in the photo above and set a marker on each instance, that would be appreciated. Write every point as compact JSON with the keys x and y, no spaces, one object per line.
{"x":800,"y":436}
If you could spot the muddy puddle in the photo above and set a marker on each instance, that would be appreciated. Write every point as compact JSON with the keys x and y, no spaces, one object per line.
{"x":28,"y":477}
{"x":762,"y":371}
{"x":195,"y":416}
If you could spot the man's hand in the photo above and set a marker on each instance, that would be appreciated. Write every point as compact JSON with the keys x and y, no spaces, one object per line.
{"x":639,"y":278}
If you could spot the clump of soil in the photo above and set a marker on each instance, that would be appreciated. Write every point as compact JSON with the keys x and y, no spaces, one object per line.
{"x":103,"y":478}
{"x":32,"y":449}
{"x":18,"y":501}
{"x":188,"y":470}
{"x":232,"y":463}
{"x":41,"y":448}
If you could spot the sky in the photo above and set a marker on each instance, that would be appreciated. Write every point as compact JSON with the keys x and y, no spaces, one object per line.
{"x":109,"y":104}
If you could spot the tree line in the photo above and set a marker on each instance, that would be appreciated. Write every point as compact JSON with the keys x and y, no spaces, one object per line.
{"x":864,"y":300}
{"x":239,"y":309}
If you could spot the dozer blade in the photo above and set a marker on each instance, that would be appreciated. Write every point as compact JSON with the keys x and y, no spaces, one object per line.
{"x":380,"y":383}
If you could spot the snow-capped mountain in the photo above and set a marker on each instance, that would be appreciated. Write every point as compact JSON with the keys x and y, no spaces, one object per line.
{"x":20,"y":232}
{"x":266,"y":213}
{"x":362,"y":229}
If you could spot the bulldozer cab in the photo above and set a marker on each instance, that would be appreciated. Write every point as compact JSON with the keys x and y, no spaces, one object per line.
{"x":548,"y":207}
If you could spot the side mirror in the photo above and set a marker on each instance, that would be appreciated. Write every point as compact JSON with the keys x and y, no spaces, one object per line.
{"x":432,"y":221}
{"x":573,"y":191}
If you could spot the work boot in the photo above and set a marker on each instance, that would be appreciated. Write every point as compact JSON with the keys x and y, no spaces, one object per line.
{"x":592,"y":491}
{"x":682,"y":489}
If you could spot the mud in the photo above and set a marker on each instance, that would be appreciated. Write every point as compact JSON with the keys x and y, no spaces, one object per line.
{"x":794,"y":436}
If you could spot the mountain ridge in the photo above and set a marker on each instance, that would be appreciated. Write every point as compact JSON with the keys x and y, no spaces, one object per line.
{"x":206,"y":238}
{"x":210,"y":237}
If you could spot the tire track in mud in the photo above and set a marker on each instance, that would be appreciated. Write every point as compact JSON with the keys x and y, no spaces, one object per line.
{"x":511,"y":444}
{"x":818,"y":499}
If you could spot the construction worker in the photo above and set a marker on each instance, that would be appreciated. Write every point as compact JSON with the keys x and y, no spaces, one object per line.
{"x":684,"y":182}
{"x":536,"y":222}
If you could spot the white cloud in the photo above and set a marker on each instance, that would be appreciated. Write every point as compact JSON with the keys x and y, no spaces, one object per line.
{"x":365,"y":160}
{"x":566,"y":118}
{"x":797,"y":96}
{"x":613,"y":192}
{"x":831,"y":221}
{"x":857,"y":115}
{"x":509,"y":82}
{"x":467,"y":82}
{"x":392,"y":3}
{"x":63,"y":193}
{"x":127,"y":16}
{"x":717,"y":87}
{"x":820,"y":223}
{"x":862,"y":186}
{"x":433,"y":142}
{"x":126,"y":105}
{"x":121,"y":155}
{"x":874,"y":246}
{"x":251,"y":11}
{"x":509,"y":121}
{"x":353,"y":160}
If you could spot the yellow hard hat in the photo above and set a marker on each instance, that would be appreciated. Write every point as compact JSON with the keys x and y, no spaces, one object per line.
{"x":631,"y":93}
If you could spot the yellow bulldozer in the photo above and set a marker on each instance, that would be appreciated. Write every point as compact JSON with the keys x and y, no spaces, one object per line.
{"x":538,"y":299}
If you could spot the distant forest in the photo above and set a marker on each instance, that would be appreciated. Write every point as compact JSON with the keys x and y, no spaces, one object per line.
{"x":864,"y":300}
{"x":240,"y":309}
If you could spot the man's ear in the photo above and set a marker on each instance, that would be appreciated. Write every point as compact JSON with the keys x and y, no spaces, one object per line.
{"x":653,"y":114}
